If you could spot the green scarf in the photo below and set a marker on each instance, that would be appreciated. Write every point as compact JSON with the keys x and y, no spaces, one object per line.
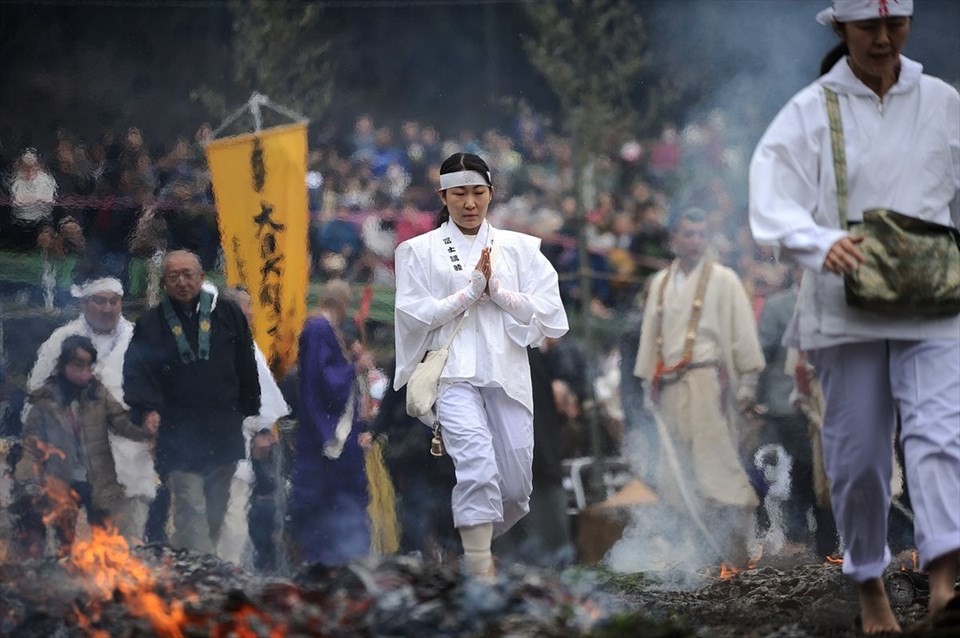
{"x":203,"y":338}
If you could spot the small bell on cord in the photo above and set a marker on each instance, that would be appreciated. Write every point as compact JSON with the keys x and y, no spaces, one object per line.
{"x":436,"y":444}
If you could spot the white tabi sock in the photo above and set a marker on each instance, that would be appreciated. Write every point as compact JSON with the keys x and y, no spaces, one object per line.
{"x":476,"y":549}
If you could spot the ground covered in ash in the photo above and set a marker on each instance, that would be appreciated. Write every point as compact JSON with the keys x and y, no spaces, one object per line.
{"x":775,"y":601}
{"x":401,"y":596}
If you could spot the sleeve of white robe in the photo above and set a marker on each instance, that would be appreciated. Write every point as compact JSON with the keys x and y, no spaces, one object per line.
{"x":953,"y":134}
{"x":272,"y":404}
{"x":785,"y":189}
{"x":536,"y":310}
{"x":46,"y":362}
{"x":646,"y":353}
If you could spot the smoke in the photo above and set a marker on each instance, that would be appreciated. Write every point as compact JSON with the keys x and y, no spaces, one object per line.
{"x":737,"y":62}
{"x":755,"y":54}
{"x":666,"y":540}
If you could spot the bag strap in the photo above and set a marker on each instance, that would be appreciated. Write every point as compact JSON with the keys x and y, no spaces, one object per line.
{"x":839,"y":153}
{"x":459,"y":323}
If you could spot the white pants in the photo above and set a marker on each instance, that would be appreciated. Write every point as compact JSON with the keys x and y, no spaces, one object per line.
{"x":235,"y":532}
{"x":864,"y":384}
{"x":489,"y":436}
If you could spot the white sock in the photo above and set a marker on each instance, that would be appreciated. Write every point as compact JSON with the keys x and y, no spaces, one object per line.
{"x":476,"y":548}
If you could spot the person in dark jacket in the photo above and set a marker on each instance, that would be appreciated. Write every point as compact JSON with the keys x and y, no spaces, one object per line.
{"x":191,"y":362}
{"x":423,"y":483}
{"x":543,"y":537}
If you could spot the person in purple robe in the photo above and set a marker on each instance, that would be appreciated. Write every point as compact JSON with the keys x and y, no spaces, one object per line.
{"x":330,"y":497}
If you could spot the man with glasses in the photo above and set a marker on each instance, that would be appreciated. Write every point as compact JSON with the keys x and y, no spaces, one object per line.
{"x":102,"y":321}
{"x":191,"y":362}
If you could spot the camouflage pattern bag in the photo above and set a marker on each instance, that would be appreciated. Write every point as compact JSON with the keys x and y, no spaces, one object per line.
{"x":912,"y":266}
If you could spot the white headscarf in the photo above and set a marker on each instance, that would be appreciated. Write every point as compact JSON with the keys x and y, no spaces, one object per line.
{"x":850,"y":10}
{"x":91,"y":287}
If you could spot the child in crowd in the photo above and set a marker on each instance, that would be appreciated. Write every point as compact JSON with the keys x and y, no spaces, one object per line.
{"x":67,"y":461}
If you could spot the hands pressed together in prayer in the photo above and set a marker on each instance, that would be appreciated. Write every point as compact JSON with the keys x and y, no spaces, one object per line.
{"x":485,"y":267}
{"x":844,"y":257}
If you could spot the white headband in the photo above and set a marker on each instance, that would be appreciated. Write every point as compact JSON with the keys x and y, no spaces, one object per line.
{"x":94,"y":286}
{"x":851,"y":10}
{"x":463,"y":178}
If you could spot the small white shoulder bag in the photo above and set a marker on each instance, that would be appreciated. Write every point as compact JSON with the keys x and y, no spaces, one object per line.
{"x":424,"y":383}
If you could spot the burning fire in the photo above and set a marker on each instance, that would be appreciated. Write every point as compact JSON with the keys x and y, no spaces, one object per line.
{"x":62,"y":506}
{"x":911,"y":564}
{"x":729,"y":571}
{"x":106,"y":562}
{"x":834,"y":560}
{"x":62,"y":501}
{"x":47,"y":449}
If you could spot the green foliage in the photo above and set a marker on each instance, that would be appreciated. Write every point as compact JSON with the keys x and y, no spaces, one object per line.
{"x":281,"y":49}
{"x":591,"y":53}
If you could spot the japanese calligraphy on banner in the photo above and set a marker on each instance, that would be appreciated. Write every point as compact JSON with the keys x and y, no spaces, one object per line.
{"x":259,"y":185}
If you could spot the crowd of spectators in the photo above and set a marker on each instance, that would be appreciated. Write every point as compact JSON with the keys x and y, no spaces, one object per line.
{"x":373,"y":186}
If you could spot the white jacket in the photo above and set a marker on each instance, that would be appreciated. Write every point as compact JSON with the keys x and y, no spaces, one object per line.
{"x":902,"y":152}
{"x":490,"y":349}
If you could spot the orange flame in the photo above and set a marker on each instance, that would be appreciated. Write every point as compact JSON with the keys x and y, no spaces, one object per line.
{"x":47,"y":449}
{"x":913,"y":564}
{"x":239,"y":627}
{"x":728,"y":571}
{"x":106,"y":561}
{"x":62,"y":506}
{"x":834,"y":560}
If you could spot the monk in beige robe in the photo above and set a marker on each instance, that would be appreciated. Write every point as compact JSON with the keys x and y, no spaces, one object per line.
{"x":699,"y":352}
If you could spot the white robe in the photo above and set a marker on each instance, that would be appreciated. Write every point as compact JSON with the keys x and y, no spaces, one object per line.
{"x":133,"y":459}
{"x":699,"y":423}
{"x":726,"y":333}
{"x":902,"y":153}
{"x":490,"y":348}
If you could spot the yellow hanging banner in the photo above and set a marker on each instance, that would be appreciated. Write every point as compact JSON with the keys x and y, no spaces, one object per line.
{"x":259,"y":181}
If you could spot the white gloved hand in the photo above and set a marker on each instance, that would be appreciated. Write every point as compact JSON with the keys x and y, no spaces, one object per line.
{"x":451,"y":306}
{"x":515,"y":303}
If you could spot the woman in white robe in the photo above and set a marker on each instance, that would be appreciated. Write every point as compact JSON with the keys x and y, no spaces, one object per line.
{"x":902,"y":142}
{"x":506,"y":291}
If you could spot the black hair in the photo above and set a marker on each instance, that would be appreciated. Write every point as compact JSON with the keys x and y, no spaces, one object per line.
{"x":833,"y":56}
{"x":462,"y":162}
{"x":68,"y":350}
{"x":69,"y":347}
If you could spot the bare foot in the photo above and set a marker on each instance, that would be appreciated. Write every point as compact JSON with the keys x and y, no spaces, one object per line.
{"x":943,"y":576}
{"x":876,"y":616}
{"x":939,"y":602}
